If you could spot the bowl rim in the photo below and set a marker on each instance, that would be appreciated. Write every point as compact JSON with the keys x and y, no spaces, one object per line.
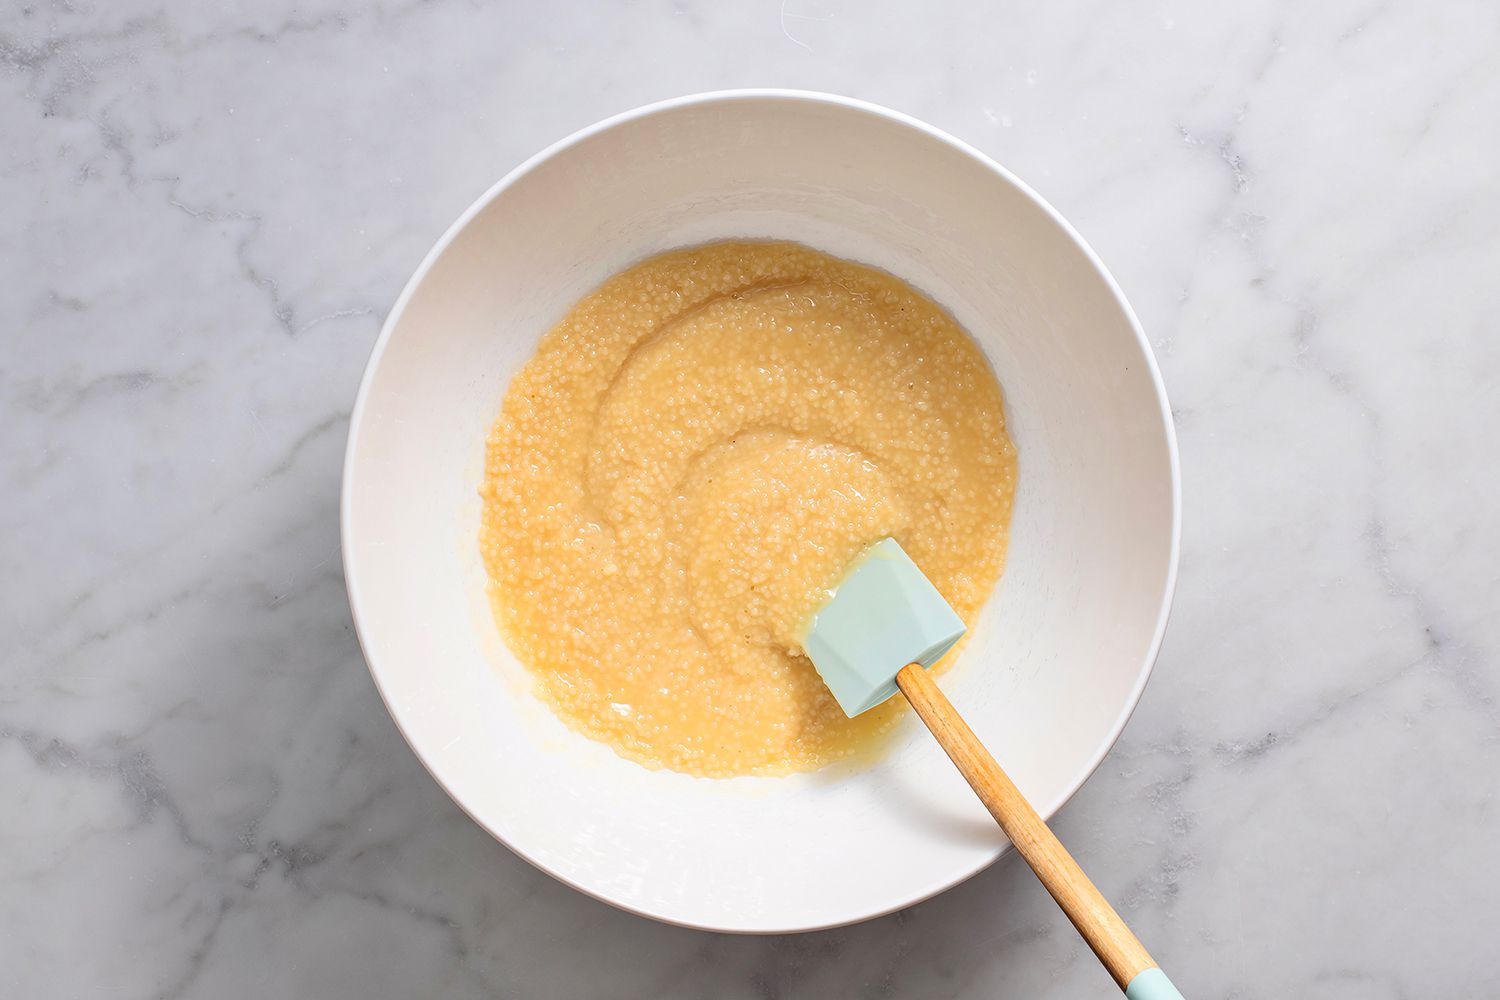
{"x":349,"y":557}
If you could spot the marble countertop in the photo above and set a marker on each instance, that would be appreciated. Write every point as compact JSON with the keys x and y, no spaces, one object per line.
{"x":207,"y":210}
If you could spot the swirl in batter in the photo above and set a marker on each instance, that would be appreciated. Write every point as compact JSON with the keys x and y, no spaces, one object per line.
{"x":690,"y":462}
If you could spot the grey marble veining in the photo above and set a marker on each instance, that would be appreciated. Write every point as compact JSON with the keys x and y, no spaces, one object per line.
{"x":206,"y":209}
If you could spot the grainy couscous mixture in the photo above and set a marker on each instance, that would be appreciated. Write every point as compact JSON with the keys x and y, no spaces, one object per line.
{"x":690,"y":462}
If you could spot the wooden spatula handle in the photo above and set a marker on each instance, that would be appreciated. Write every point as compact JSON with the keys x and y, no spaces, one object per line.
{"x":1119,"y":950}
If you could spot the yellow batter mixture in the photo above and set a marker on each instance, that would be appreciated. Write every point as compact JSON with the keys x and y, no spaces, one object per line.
{"x":690,"y":462}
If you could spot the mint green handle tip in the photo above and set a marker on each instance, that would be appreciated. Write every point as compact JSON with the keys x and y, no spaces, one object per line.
{"x":1152,"y":984}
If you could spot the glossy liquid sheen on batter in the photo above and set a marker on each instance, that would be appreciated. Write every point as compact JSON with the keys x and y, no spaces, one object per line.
{"x":694,"y":457}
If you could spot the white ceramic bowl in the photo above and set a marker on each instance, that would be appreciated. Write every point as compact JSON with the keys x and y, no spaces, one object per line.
{"x":1063,"y":649}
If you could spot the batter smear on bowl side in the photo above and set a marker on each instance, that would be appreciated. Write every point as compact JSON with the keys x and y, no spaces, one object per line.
{"x":687,"y":467}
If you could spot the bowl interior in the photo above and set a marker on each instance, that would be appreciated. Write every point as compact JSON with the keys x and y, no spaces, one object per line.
{"x":1054,"y":666}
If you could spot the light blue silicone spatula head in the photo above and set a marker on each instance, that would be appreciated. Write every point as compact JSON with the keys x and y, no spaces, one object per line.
{"x":884,"y":615}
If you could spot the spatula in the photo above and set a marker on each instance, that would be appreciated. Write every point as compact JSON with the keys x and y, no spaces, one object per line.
{"x":879,"y":632}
